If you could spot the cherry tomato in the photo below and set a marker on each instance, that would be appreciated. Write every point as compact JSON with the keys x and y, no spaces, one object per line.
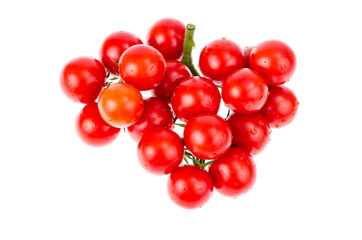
{"x":143,"y":66}
{"x":92,"y":129}
{"x":220,"y":58}
{"x":156,"y":113}
{"x":82,"y":79}
{"x":194,"y":96}
{"x":167,"y":36}
{"x":160,"y":151}
{"x":113,"y":47}
{"x":250,"y":132}
{"x":175,"y":72}
{"x":207,"y":136}
{"x":247,"y":52}
{"x":120,"y":105}
{"x":281,"y":106}
{"x":244,"y":91}
{"x":234,"y":173}
{"x":190,"y":186}
{"x":274,"y":60}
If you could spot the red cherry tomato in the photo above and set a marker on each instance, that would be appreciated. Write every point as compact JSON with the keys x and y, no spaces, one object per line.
{"x":247,"y":52}
{"x":113,"y":47}
{"x":281,"y":106}
{"x":190,"y":186}
{"x":92,"y":129}
{"x":274,"y":60}
{"x":156,"y":113}
{"x":120,"y":105}
{"x":234,"y":173}
{"x":194,"y":96}
{"x":175,"y":72}
{"x":143,"y":66}
{"x":207,"y":136}
{"x":220,"y":58}
{"x":160,"y":151}
{"x":244,"y":91}
{"x":167,"y":36}
{"x":250,"y":132}
{"x":82,"y":79}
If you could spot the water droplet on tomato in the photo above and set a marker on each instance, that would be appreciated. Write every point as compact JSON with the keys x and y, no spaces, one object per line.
{"x":276,"y":125}
{"x":283,"y":120}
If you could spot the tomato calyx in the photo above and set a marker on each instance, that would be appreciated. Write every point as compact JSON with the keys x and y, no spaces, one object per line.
{"x":196,"y":161}
{"x":189,"y":44}
{"x":112,"y":79}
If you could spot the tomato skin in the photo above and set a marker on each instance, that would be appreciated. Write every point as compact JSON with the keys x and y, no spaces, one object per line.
{"x":176,"y":71}
{"x":207,"y":136}
{"x":251,"y":132}
{"x":82,"y":79}
{"x":113,"y":47}
{"x":244,"y":91}
{"x":194,"y":96}
{"x":281,"y":106}
{"x":142,"y":66}
{"x":167,"y":36}
{"x":190,"y":186}
{"x":92,"y":129}
{"x":160,"y":151}
{"x":120,"y":105}
{"x":234,"y":173}
{"x":156,"y":113}
{"x":274,"y":60}
{"x":220,"y":58}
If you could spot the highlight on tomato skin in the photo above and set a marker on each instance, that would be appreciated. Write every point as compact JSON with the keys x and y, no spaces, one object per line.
{"x":281,"y":107}
{"x":156,"y":113}
{"x":234,"y":173}
{"x":113,"y":47}
{"x":82,"y":79}
{"x":190,"y":186}
{"x":167,"y":36}
{"x":92,"y":129}
{"x":120,"y":105}
{"x":160,"y":151}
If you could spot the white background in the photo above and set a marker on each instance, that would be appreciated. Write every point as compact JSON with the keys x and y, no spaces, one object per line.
{"x":52,"y":186}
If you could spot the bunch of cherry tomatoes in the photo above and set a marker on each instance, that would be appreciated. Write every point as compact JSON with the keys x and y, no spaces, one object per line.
{"x":217,"y":152}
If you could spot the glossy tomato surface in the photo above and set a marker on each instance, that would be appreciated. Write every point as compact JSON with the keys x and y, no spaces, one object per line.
{"x":234,"y":173}
{"x":92,"y":129}
{"x":194,"y":96}
{"x":207,"y":136}
{"x":281,"y":106}
{"x":113,"y":47}
{"x":120,"y":105}
{"x":156,"y":113}
{"x":160,"y":151}
{"x":82,"y":79}
{"x":176,"y":71}
{"x":219,"y":58}
{"x":190,"y":186}
{"x":167,"y":36}
{"x":143,"y":66}
{"x":251,"y":132}
{"x":274,"y":60}
{"x":244,"y":91}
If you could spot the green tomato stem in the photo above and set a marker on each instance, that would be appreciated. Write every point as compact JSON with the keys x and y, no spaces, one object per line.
{"x":189,"y":44}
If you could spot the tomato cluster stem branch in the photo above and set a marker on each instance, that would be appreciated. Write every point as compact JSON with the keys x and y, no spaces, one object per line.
{"x":189,"y":44}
